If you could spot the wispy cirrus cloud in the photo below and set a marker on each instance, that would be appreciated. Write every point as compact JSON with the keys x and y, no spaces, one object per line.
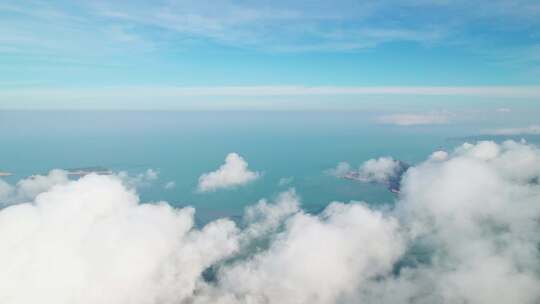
{"x":194,"y":43}
{"x":281,"y":26}
{"x":308,"y":25}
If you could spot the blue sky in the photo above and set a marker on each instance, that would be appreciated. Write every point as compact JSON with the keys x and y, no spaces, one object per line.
{"x":54,"y":51}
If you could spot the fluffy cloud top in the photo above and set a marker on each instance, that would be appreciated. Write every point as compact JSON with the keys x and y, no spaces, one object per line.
{"x":90,"y":241}
{"x":414,"y":119}
{"x":439,"y":155}
{"x":476,"y":216}
{"x":464,"y":229}
{"x":317,"y":259}
{"x":27,"y":189}
{"x":234,"y":172}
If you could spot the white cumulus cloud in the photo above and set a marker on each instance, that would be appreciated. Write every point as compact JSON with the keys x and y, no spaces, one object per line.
{"x":90,"y":241}
{"x":28,"y":188}
{"x":316,"y":259}
{"x":234,"y":172}
{"x":475,"y":218}
{"x":379,"y":170}
{"x":439,"y":155}
{"x":464,"y":229}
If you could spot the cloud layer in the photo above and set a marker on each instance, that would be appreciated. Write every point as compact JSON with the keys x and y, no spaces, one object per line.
{"x":90,"y":241}
{"x":414,"y":119}
{"x":28,"y":188}
{"x":234,"y":172}
{"x":475,"y":217}
{"x":464,"y":229}
{"x":166,"y":97}
{"x":529,"y":130}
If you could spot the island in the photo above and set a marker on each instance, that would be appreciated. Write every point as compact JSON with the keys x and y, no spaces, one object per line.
{"x":392,"y":183}
{"x":2,"y":173}
{"x":88,"y":170}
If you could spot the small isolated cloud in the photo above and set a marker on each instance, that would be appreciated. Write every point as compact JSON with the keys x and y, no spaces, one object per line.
{"x":151,"y":174}
{"x":284,"y":181}
{"x":379,"y":170}
{"x":234,"y":172}
{"x":503,"y":110}
{"x":169,"y":185}
{"x":139,"y":180}
{"x":340,"y":170}
{"x":530,"y":130}
{"x":414,"y":119}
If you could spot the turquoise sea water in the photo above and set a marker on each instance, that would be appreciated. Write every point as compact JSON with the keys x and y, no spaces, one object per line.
{"x":183,"y":145}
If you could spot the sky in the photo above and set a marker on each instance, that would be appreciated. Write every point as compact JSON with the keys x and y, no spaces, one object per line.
{"x":260,"y":54}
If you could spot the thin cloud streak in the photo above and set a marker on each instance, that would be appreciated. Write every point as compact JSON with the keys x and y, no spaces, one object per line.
{"x":171,"y":91}
{"x":408,"y":119}
{"x":529,"y":130}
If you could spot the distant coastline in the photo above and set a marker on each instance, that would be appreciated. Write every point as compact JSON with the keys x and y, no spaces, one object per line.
{"x":88,"y":170}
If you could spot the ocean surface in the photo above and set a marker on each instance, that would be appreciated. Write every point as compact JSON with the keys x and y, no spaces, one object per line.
{"x":180,"y":146}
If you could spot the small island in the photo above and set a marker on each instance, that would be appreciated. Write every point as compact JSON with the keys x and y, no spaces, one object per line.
{"x":392,"y":183}
{"x":2,"y":173}
{"x":88,"y":170}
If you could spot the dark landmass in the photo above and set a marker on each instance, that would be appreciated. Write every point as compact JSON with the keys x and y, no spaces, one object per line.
{"x":393,"y":184}
{"x":87,"y":170}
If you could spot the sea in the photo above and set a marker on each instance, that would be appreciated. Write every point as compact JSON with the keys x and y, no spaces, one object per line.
{"x":290,"y":149}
